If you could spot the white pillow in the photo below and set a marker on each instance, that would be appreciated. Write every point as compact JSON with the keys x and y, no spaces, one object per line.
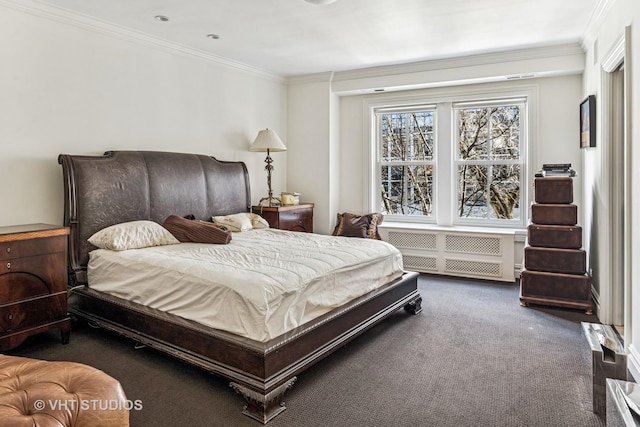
{"x":132,"y":235}
{"x":258,"y":222}
{"x":241,"y":221}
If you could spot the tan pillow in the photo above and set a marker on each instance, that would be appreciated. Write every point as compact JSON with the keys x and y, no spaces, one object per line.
{"x":352,"y":225}
{"x":132,"y":235}
{"x":258,"y":222}
{"x":242,"y":221}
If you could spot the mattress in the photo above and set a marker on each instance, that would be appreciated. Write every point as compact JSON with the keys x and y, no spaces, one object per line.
{"x":259,"y":286}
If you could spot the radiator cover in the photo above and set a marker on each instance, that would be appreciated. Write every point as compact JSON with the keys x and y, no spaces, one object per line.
{"x":475,"y":254}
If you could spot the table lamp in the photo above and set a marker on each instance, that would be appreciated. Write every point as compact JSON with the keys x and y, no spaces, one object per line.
{"x":267,"y":140}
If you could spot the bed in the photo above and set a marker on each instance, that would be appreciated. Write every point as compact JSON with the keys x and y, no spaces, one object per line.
{"x":124,"y":186}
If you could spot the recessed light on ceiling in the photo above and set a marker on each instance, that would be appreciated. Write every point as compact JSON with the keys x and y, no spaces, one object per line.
{"x":213,"y":36}
{"x":161,"y":18}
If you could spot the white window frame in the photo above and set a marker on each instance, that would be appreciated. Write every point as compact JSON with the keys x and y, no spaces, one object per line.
{"x":446,"y":148}
{"x":381,"y":162}
{"x":522,"y":102}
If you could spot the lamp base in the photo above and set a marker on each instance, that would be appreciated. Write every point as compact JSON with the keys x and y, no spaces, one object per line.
{"x":270,"y":201}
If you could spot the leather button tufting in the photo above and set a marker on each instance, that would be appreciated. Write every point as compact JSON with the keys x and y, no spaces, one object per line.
{"x":56,"y":393}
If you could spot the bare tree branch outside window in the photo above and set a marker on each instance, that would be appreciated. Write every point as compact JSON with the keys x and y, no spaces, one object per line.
{"x":407,"y":155}
{"x":489,"y":169}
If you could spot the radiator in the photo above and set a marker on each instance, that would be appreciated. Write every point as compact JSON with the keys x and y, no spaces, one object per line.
{"x":468,"y":253}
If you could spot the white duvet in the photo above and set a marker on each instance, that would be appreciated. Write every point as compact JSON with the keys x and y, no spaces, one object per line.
{"x":261,"y":285}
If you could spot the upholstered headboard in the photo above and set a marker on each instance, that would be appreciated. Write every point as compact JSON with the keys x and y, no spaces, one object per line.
{"x":122,"y":186}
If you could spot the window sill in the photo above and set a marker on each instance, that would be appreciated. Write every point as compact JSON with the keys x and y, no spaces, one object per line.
{"x":519,"y":234}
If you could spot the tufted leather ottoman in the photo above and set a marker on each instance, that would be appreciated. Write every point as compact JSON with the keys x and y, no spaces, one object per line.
{"x":38,"y":393}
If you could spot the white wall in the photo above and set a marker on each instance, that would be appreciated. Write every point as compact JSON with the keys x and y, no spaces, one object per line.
{"x":67,"y":89}
{"x":603,"y":34}
{"x":310,"y":146}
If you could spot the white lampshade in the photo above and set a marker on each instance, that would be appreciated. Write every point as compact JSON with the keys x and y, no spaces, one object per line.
{"x":268,"y":140}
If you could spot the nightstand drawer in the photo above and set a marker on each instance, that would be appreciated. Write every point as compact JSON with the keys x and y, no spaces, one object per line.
{"x":32,"y":312}
{"x":291,"y":218}
{"x":23,"y":248}
{"x":31,"y":276}
{"x":297,"y":220}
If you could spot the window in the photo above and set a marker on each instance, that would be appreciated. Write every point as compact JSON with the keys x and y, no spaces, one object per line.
{"x":451,"y":163}
{"x":489,"y":164}
{"x":407,"y":161}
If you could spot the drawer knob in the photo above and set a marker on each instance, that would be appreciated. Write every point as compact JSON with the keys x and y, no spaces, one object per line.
{"x":8,"y":265}
{"x":9,"y":250}
{"x":10,"y":316}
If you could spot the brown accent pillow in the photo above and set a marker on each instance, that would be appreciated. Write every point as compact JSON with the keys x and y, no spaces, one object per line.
{"x":352,"y":225}
{"x":187,"y":230}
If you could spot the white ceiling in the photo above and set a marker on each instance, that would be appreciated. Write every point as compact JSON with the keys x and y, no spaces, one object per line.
{"x":293,"y":37}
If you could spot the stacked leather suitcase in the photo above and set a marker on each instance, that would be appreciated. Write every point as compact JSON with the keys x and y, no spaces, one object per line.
{"x":554,"y":262}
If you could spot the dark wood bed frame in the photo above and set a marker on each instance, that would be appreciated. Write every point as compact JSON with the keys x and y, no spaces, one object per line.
{"x":122,"y":186}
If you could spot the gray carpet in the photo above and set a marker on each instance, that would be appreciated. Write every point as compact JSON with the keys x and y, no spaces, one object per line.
{"x":473,"y":357}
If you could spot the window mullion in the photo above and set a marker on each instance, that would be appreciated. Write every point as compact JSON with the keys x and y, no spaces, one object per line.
{"x":445,"y":166}
{"x":490,"y":166}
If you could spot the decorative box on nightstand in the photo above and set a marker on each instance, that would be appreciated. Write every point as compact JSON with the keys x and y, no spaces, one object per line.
{"x":293,"y":218}
{"x":33,"y":282}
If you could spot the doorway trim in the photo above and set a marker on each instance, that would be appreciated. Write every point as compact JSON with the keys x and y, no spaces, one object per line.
{"x":615,"y":307}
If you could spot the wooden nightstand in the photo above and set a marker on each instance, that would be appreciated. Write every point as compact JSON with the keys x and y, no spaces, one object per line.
{"x":293,"y":218}
{"x":33,"y":282}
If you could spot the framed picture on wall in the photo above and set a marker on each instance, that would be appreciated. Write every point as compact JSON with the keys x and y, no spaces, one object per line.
{"x":588,"y":122}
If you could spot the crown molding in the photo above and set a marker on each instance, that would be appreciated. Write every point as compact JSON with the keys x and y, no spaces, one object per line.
{"x":324,"y":77}
{"x":595,"y":22}
{"x":508,"y":65}
{"x":88,"y":23}
{"x":515,"y":55}
{"x":568,"y":55}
